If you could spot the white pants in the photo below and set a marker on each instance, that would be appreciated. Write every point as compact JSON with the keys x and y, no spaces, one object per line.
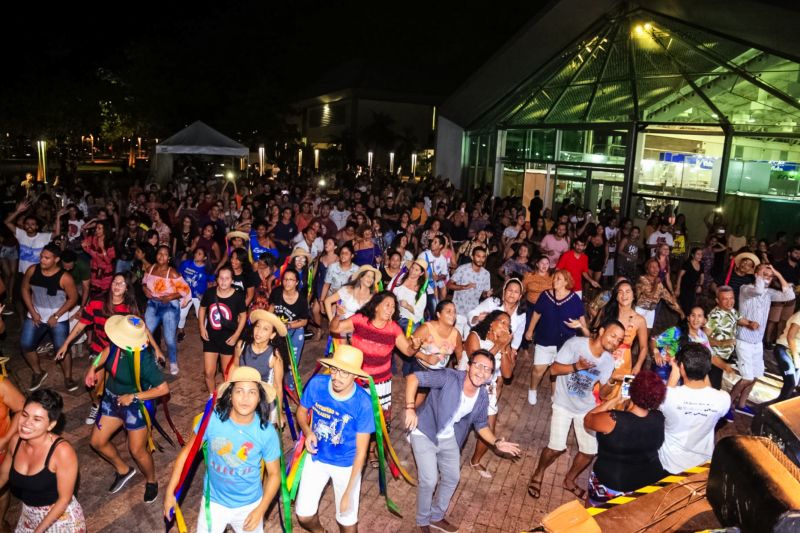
{"x":185,"y":312}
{"x":222,"y":516}
{"x":750,"y":359}
{"x":313,"y":482}
{"x":648,"y":314}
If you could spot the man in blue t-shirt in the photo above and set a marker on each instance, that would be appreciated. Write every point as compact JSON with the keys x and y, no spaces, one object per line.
{"x":337,"y":439}
{"x":238,"y":438}
{"x":197,"y":275}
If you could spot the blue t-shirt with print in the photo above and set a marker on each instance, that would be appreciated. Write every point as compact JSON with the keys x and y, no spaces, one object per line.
{"x":256,"y":249}
{"x":196,"y":276}
{"x":336,"y":421}
{"x":234,"y":459}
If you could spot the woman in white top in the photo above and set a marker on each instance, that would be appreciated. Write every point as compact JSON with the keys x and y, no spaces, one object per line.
{"x":352,"y":296}
{"x":492,"y":334}
{"x":407,"y":286}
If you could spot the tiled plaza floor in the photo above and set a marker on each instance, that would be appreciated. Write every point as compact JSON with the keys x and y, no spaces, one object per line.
{"x":497,"y":504}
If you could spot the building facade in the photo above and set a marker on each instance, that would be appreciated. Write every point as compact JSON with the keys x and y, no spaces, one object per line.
{"x":690,"y":105}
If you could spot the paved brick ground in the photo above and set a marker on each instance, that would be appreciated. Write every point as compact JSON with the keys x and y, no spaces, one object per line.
{"x":497,"y":504}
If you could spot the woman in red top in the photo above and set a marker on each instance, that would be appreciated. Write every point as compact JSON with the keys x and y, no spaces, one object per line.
{"x":100,"y":248}
{"x":120,"y":300}
{"x":376,"y":334}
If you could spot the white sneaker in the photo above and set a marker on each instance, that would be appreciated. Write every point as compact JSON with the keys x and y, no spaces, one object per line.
{"x":173,"y":369}
{"x":92,"y":417}
{"x":531,"y":397}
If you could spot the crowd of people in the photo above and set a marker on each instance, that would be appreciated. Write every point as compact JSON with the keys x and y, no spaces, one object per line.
{"x":421,"y":293}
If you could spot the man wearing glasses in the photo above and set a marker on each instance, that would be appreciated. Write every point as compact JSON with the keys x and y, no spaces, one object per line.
{"x":580,"y":363}
{"x":337,"y":439}
{"x":457,"y":402}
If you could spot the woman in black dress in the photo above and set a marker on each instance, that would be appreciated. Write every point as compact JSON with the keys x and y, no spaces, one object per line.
{"x":690,"y":280}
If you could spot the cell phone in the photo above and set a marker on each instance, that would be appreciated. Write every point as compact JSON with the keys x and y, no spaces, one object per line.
{"x":626,"y":385}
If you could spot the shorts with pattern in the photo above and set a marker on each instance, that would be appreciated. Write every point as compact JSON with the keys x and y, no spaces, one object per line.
{"x":131,"y":415}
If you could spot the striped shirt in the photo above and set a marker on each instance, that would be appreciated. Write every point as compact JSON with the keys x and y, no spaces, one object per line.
{"x":94,"y":316}
{"x":754,"y":303}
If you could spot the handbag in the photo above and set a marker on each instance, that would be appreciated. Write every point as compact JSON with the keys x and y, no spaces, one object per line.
{"x":571,"y":517}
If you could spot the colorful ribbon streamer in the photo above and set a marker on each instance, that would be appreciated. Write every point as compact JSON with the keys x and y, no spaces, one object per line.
{"x":377,"y":413}
{"x":293,"y":367}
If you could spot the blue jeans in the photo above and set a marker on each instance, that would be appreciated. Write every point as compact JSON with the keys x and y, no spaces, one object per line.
{"x":298,"y":336}
{"x":31,"y":334}
{"x":440,"y":463}
{"x":791,"y":375}
{"x":166,"y":315}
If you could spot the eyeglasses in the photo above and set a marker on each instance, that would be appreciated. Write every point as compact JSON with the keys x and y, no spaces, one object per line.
{"x":340,"y":372}
{"x":485,"y":369}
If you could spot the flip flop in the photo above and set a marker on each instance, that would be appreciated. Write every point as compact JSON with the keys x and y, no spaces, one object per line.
{"x":535,"y":489}
{"x":481,"y":470}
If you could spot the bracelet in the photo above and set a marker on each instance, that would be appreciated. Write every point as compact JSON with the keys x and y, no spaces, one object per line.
{"x":411,"y":408}
{"x":575,"y":367}
{"x":496,"y":441}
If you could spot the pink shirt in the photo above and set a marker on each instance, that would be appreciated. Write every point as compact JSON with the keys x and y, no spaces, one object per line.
{"x":553,"y":248}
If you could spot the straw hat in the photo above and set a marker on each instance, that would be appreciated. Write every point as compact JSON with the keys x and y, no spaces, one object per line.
{"x":246,"y":373}
{"x":421,"y":262}
{"x":747,"y":255}
{"x":127,"y":331}
{"x":277,"y":323}
{"x":242,"y":235}
{"x":300,"y":252}
{"x":366,"y":268}
{"x":347,"y":358}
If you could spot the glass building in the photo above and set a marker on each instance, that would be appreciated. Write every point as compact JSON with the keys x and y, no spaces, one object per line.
{"x":646,"y":110}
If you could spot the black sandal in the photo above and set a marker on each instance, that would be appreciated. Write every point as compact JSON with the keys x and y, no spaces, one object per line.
{"x":535,"y":489}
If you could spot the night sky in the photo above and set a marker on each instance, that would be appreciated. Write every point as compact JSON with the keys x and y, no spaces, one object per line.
{"x":236,"y":66}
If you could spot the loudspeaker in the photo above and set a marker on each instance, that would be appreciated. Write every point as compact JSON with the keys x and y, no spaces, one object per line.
{"x":780,"y":422}
{"x":754,"y":486}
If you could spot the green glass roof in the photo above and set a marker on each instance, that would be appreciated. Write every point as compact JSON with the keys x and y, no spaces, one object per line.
{"x":640,"y":66}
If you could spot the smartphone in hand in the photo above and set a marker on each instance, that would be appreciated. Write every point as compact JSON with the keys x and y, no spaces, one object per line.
{"x":626,"y":385}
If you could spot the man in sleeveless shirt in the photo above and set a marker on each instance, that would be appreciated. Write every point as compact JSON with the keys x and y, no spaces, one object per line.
{"x":48,"y":292}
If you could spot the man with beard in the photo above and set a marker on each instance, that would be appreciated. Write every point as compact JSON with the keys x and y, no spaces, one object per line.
{"x":457,"y":402}
{"x":579,"y":364}
{"x":470,"y":283}
{"x":337,"y":439}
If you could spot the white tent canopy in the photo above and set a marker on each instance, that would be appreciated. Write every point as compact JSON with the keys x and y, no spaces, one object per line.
{"x":198,"y":138}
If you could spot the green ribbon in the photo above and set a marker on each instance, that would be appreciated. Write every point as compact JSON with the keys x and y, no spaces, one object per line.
{"x":382,"y":481}
{"x":207,"y":490}
{"x":293,"y":367}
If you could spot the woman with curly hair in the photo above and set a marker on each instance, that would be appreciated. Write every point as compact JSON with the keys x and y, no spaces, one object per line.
{"x":628,"y":441}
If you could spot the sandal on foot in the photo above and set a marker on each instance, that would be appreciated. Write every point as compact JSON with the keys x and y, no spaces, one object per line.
{"x":481,"y":470}
{"x":535,"y":489}
{"x":578,"y":492}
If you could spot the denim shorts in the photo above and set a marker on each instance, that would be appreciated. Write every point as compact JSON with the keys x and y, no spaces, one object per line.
{"x":131,"y":416}
{"x":31,"y":335}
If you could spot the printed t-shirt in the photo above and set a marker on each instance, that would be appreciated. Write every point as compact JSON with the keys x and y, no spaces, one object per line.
{"x":573,"y":391}
{"x":30,"y":247}
{"x":377,"y":345}
{"x":723,"y":326}
{"x":289,"y":312}
{"x":468,"y":299}
{"x":336,"y":421}
{"x":551,"y":329}
{"x":223,"y":313}
{"x":196,"y":276}
{"x":689,"y":419}
{"x":234,"y":456}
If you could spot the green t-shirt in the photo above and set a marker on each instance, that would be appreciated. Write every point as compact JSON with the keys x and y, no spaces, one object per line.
{"x":80,"y":272}
{"x":121,"y":381}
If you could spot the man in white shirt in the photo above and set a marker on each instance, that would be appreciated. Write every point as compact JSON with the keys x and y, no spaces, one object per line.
{"x":691,"y":411}
{"x":31,"y":241}
{"x":438,"y":272}
{"x":660,"y":236}
{"x":308,"y":240}
{"x":339,"y":215}
{"x":470,"y":283}
{"x":579,"y":364}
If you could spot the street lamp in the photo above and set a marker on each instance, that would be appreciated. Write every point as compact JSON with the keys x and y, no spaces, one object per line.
{"x":316,"y":158}
{"x":369,"y":162}
{"x":413,"y":165}
{"x":391,"y":162}
{"x":260,"y":159}
{"x":41,"y":170}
